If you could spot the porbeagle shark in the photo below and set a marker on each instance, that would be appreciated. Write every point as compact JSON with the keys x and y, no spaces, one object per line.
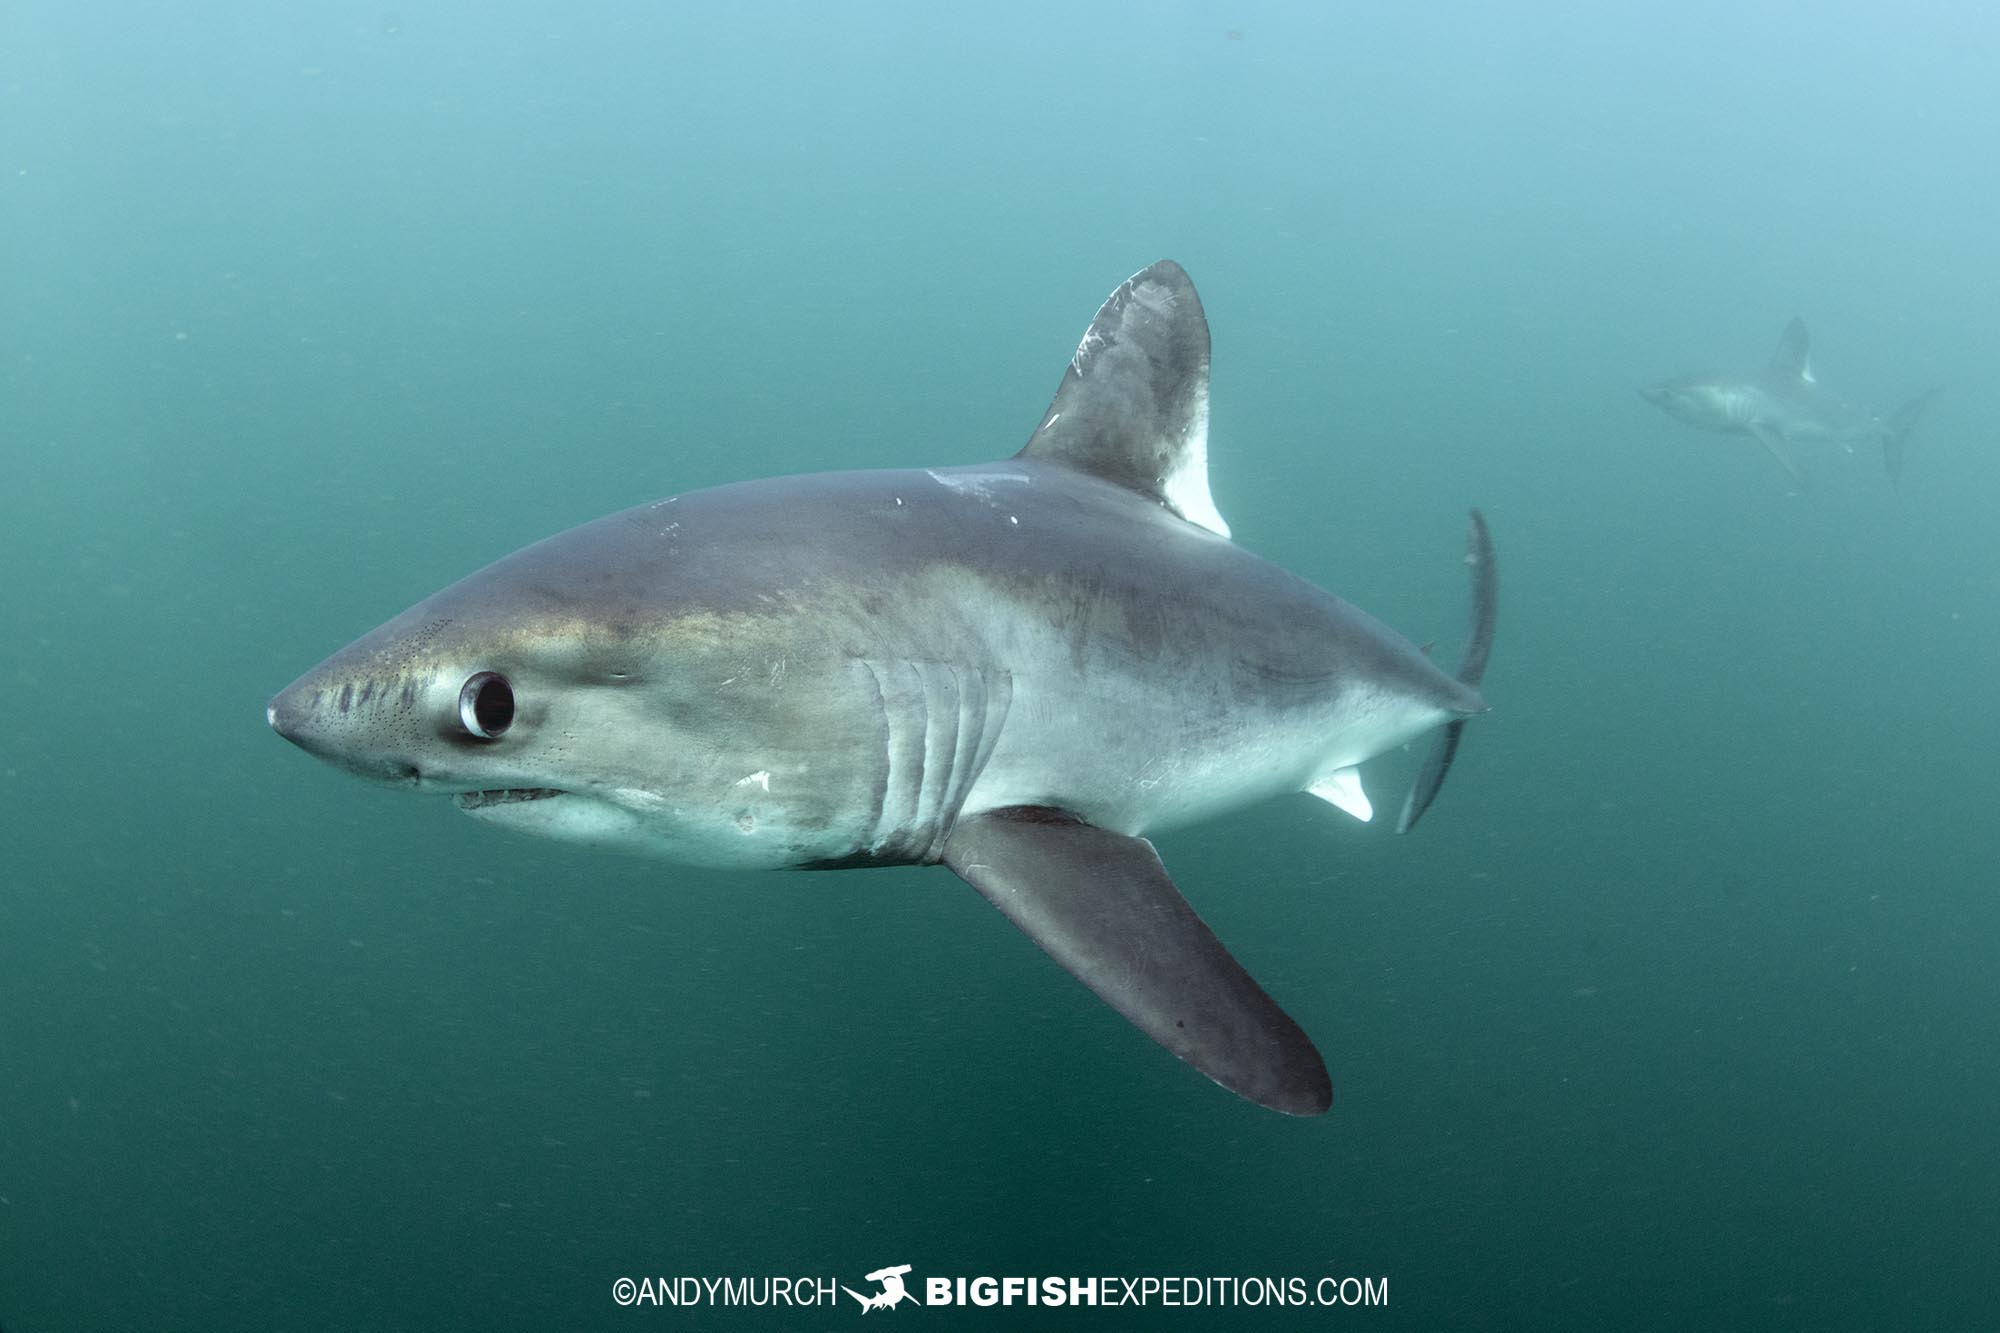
{"x":1016,"y":670}
{"x":1786,"y":405}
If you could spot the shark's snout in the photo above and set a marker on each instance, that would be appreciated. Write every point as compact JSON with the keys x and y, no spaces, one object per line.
{"x":285,"y":715}
{"x":310,"y":716}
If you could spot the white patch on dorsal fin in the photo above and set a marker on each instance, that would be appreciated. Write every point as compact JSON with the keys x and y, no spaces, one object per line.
{"x":1342,"y":787}
{"x":1133,"y":407}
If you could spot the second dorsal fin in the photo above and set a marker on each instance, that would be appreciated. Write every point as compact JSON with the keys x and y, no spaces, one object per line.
{"x":1133,"y":406}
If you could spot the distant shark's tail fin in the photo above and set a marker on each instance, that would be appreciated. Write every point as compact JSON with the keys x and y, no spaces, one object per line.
{"x":1897,"y":430}
{"x":1471,"y":668}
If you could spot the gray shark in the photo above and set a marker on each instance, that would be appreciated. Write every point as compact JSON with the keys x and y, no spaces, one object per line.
{"x":1015,"y":669}
{"x":1786,"y":405}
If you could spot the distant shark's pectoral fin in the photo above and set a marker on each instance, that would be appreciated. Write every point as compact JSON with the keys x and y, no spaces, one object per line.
{"x":1342,"y":788}
{"x":1133,"y":406}
{"x":1471,"y":667}
{"x":1776,"y":445}
{"x":1100,"y":903}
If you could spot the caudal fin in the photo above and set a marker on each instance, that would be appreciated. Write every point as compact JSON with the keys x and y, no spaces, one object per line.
{"x":1896,"y":432}
{"x":1471,"y":668}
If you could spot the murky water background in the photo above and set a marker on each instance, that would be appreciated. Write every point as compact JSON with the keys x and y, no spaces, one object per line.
{"x":1677,"y":1010}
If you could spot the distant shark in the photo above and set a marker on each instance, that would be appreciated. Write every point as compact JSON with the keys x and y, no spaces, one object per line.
{"x":1014,"y":669}
{"x":1785,"y":405}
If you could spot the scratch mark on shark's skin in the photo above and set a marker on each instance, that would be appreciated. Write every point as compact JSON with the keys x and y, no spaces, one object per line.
{"x":761,"y":778}
{"x":980,"y":486}
{"x":1085,"y":351}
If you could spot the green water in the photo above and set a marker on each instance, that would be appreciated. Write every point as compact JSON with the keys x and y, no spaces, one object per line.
{"x":1678,"y":1011}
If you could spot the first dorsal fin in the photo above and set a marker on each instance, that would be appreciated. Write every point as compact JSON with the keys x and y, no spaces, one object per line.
{"x":1793,"y":359}
{"x":1133,"y":406}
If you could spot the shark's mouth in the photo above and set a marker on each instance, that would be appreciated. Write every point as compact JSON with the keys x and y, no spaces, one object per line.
{"x":480,"y":800}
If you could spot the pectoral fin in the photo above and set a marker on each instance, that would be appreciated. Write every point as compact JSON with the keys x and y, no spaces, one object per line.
{"x":1776,"y":445}
{"x":1101,"y":904}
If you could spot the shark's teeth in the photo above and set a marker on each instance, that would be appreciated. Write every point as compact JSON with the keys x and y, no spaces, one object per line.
{"x":479,"y":800}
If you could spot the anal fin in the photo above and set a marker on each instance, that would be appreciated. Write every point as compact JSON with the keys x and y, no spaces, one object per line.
{"x":1101,"y":904}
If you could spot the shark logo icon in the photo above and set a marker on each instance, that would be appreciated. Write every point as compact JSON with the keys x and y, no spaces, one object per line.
{"x":893,"y":1291}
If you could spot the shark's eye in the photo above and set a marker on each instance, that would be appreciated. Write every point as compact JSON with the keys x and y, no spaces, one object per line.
{"x":486,"y":705}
